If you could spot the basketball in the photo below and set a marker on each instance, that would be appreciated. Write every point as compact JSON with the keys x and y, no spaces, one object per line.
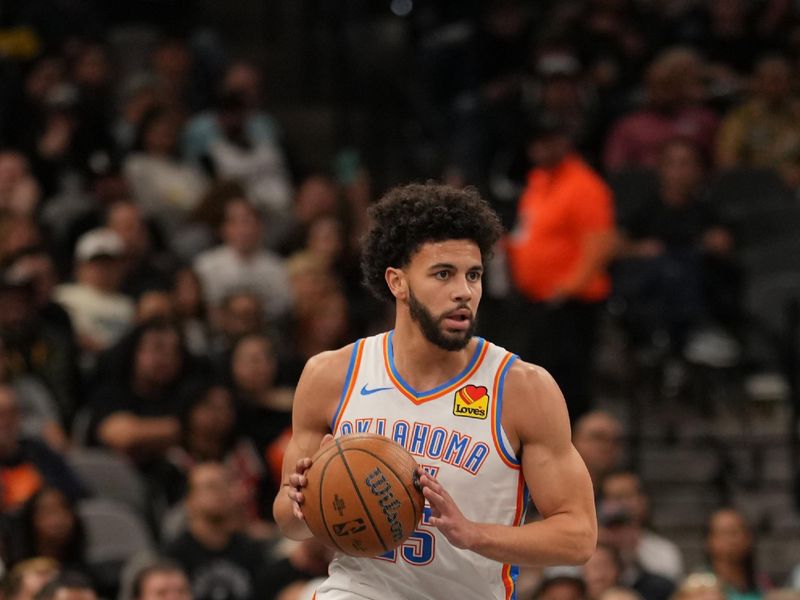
{"x":362,"y":496}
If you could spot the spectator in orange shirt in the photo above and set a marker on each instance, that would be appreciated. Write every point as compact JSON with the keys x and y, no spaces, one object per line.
{"x":558,"y":253}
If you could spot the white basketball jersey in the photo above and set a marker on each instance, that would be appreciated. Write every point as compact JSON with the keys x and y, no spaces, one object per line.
{"x":454,"y":431}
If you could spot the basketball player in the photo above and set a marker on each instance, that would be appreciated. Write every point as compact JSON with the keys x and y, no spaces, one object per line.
{"x":485,"y":427}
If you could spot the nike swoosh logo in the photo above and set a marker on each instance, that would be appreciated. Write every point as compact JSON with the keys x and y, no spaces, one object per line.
{"x":367,"y":392}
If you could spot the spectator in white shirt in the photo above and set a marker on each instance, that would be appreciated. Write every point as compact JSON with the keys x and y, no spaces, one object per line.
{"x":99,"y":313}
{"x":242,"y":262}
{"x":166,"y":188}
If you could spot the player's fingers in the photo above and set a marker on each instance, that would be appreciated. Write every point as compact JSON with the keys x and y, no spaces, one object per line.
{"x":302,"y":465}
{"x":431,"y":483}
{"x":327,"y":440}
{"x":297,"y":512}
{"x":436,"y":500}
{"x":296,"y":480}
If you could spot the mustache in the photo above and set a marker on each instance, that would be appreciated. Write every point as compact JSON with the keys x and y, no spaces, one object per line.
{"x":459,"y":307}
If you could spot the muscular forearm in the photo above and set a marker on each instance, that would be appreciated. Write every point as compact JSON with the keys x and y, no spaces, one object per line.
{"x":290,"y":526}
{"x":557,"y":540}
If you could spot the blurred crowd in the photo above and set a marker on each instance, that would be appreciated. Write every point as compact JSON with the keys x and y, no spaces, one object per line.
{"x":168,"y":262}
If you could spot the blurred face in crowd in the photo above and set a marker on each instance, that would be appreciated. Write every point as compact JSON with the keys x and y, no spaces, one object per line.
{"x":241,"y":314}
{"x":316,"y":196}
{"x":700,"y":586}
{"x":45,"y":76}
{"x":210,"y":493}
{"x":40,"y":270}
{"x":560,"y":93}
{"x":727,"y":12}
{"x":562,"y":589}
{"x":17,"y":309}
{"x":310,"y":280}
{"x":549,"y":150}
{"x":245,"y":80}
{"x":620,"y":593}
{"x":326,"y":239}
{"x":680,"y":170}
{"x":106,"y":273}
{"x":158,"y":357}
{"x":53,"y":519}
{"x":624,"y":490}
{"x":253,"y":364}
{"x":242,"y":227}
{"x":773,"y":80}
{"x":161,"y":135}
{"x":125,"y":219}
{"x":9,"y":419}
{"x":34,"y":573}
{"x":154,"y":304}
{"x":601,"y":572}
{"x":165,"y":585}
{"x":91,"y":67}
{"x":674,"y":78}
{"x":70,"y":593}
{"x":729,"y":538}
{"x":17,"y":233}
{"x":328,"y":327}
{"x":187,"y":295}
{"x":172,"y":60}
{"x":13,"y":169}
{"x":598,"y":439}
{"x":214,"y":415}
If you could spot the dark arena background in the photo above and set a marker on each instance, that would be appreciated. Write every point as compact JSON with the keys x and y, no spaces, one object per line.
{"x":183,"y":190}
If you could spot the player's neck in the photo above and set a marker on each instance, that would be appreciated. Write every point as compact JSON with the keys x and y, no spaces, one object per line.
{"x":422,"y":364}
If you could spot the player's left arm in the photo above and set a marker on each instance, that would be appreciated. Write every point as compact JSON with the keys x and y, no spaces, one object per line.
{"x":557,"y":477}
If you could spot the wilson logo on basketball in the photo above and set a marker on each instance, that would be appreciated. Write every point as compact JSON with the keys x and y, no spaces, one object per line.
{"x":471,"y":401}
{"x":381,"y":488}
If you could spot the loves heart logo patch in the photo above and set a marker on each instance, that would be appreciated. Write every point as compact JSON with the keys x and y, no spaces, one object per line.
{"x":473,"y":393}
{"x":471,"y":401}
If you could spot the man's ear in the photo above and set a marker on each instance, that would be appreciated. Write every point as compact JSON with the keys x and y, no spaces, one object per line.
{"x":396,"y":280}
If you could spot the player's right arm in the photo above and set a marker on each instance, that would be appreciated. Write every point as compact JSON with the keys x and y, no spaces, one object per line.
{"x":315,"y":400}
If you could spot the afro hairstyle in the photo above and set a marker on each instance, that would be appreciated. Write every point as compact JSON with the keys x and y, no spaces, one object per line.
{"x":409,"y":216}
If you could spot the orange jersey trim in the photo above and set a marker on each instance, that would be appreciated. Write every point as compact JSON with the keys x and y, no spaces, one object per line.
{"x":420,"y":398}
{"x":350,"y":383}
{"x":497,"y":399}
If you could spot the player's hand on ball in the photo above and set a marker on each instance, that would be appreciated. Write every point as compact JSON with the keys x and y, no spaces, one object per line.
{"x":298,"y":481}
{"x":445,"y":514}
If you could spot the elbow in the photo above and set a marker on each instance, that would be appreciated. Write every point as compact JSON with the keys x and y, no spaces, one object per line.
{"x":585,"y":545}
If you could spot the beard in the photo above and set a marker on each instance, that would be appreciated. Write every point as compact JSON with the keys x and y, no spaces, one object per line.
{"x":433,"y":330}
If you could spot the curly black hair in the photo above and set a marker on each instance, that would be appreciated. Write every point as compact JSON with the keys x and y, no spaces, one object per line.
{"x":410,"y":215}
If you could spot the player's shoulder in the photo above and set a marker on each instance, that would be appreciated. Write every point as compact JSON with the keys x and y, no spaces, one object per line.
{"x":528,"y":383}
{"x":531,"y":390}
{"x":330,"y":366}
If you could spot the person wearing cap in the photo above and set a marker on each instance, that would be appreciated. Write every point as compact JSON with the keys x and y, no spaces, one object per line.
{"x":558,"y":253}
{"x":100,"y":314}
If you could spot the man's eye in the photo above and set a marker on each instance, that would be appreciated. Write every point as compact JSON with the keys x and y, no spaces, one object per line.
{"x":442,"y":274}
{"x":474,"y":276}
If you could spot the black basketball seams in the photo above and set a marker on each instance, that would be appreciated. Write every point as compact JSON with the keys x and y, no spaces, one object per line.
{"x":360,"y":497}
{"x":397,"y":476}
{"x":321,"y":506}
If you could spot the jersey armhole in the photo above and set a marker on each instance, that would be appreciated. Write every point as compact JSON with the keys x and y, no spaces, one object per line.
{"x":349,"y":382}
{"x":500,"y":439}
